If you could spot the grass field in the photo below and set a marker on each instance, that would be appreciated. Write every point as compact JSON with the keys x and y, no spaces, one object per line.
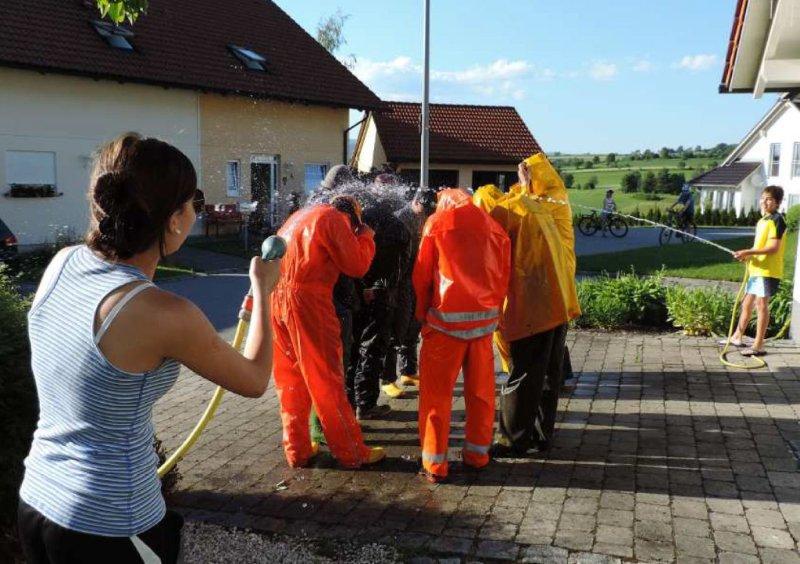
{"x":690,"y":260}
{"x":626,"y":203}
{"x":611,"y":176}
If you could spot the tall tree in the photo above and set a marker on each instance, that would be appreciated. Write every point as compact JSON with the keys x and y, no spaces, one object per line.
{"x":330,"y":34}
{"x":120,"y":10}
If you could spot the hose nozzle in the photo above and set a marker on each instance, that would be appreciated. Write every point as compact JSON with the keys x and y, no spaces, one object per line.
{"x":273,"y":247}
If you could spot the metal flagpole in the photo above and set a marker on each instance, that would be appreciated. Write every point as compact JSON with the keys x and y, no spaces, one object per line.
{"x":423,"y":169}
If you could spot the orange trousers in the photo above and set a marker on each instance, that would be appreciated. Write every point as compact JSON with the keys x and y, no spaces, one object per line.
{"x":307,"y":360}
{"x":441,"y":359}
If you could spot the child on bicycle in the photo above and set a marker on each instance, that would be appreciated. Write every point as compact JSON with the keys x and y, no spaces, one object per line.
{"x":609,"y":207}
{"x":765,"y":268}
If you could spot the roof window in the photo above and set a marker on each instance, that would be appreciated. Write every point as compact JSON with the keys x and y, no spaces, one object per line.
{"x":249,"y":58}
{"x":116,"y":36}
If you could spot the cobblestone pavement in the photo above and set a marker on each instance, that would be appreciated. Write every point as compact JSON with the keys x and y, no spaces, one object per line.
{"x":661,"y":454}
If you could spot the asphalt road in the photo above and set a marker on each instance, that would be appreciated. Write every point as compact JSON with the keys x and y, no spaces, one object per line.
{"x":640,"y":237}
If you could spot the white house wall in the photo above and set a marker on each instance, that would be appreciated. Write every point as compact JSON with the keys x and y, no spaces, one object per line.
{"x":71,"y":116}
{"x":786,"y":131}
{"x":371,"y":154}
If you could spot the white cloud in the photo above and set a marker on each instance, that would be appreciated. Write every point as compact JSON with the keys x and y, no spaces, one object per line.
{"x":500,"y":69}
{"x":697,"y":62}
{"x":368,"y":70}
{"x":601,"y":70}
{"x":643,"y":65}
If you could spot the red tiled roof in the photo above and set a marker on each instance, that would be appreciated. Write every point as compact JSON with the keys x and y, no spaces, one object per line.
{"x":726,"y":175}
{"x":459,"y":134}
{"x":733,"y":45}
{"x":182,"y":43}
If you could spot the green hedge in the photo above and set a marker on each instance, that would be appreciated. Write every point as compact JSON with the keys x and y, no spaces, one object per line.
{"x":18,"y":404}
{"x":631,"y":301}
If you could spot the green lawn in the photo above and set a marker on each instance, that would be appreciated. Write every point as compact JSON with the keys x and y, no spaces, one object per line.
{"x":691,"y":260}
{"x":611,"y":176}
{"x":172,"y":271}
{"x":626,"y":203}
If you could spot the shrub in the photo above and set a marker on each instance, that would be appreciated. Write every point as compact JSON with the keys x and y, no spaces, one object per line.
{"x":18,"y":403}
{"x":625,"y":300}
{"x":699,"y":311}
{"x":780,"y":309}
{"x":793,"y":218}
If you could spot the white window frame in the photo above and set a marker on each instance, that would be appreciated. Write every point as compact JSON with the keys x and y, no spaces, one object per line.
{"x":796,"y":159}
{"x":774,"y":163}
{"x":325,"y":168}
{"x":233,"y":189}
{"x":12,"y":180}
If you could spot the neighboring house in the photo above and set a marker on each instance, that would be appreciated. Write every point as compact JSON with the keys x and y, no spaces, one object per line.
{"x":469,"y":145}
{"x":254,"y":101}
{"x":764,"y":56}
{"x":768,"y":154}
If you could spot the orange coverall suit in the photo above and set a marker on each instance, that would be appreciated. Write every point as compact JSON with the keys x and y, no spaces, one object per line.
{"x":307,"y":348}
{"x":460,"y":280}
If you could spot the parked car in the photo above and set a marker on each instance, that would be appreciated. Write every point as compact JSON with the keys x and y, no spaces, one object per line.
{"x":8,"y":242}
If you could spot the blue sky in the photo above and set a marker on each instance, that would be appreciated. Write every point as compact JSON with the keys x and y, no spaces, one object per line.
{"x":586,"y":76}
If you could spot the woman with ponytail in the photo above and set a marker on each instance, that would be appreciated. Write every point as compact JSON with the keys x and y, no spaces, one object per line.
{"x":106,"y":344}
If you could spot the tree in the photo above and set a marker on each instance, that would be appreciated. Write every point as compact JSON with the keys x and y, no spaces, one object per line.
{"x":664,"y":153}
{"x":569,"y":179}
{"x":631,"y":182}
{"x":649,"y":183}
{"x":596,"y":159}
{"x":611,"y":158}
{"x":120,"y":10}
{"x":330,"y":34}
{"x":591,"y":184}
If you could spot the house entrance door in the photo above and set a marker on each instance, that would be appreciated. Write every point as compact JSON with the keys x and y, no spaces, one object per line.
{"x":263,"y":190}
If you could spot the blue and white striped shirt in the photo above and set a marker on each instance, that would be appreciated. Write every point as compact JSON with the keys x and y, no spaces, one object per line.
{"x":92,"y":466}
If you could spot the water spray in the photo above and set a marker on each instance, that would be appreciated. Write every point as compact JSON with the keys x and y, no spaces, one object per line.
{"x":272,"y":248}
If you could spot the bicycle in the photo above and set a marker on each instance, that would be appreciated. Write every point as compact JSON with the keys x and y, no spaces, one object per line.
{"x":678,"y":227}
{"x":592,"y":223}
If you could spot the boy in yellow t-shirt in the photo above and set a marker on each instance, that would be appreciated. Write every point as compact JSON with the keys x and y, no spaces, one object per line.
{"x":765,"y":268}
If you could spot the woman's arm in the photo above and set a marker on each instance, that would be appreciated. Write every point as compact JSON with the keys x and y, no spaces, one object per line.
{"x":193,"y":341}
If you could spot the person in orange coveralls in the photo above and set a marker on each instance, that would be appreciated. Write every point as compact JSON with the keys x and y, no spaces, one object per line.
{"x":460,"y":280}
{"x":323,"y":241}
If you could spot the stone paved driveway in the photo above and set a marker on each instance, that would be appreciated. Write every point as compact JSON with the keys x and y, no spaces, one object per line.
{"x":661,"y":455}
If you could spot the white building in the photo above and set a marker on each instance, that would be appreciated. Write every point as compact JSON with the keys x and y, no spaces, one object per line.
{"x":764,"y":56}
{"x":768,"y":155}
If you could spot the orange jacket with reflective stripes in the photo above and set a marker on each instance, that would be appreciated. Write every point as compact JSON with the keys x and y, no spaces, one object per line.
{"x":462,"y":269}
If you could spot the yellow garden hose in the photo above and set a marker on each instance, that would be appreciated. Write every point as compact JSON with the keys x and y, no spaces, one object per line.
{"x":208,"y":414}
{"x":272,"y":248}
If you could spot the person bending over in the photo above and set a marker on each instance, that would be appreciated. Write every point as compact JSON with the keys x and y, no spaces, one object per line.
{"x":105,"y":345}
{"x":765,"y":268}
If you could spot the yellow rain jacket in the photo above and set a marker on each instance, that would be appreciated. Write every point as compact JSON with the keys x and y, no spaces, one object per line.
{"x":541,"y":289}
{"x":487,"y":196}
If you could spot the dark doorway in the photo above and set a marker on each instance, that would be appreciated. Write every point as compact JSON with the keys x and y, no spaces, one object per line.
{"x":437,"y":178}
{"x":503,"y":179}
{"x":262,"y":187}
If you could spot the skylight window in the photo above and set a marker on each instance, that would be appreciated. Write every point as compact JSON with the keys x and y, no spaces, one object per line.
{"x":116,"y":36}
{"x":249,"y":58}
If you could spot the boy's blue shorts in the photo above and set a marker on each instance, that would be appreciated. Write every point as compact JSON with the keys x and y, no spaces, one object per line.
{"x":762,"y":286}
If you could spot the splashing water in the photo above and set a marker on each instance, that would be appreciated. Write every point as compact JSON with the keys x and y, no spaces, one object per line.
{"x":374,"y":198}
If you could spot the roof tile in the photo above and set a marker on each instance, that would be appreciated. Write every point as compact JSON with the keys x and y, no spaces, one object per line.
{"x":458,"y":133}
{"x":183,"y":43}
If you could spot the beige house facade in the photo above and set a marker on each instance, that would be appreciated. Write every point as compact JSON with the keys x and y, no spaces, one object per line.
{"x":264,"y":150}
{"x":50,"y":126}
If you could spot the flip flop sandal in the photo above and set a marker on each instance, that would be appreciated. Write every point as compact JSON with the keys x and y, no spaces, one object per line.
{"x":752,"y":352}
{"x":724,"y":342}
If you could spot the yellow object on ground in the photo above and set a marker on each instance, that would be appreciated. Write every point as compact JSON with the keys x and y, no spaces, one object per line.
{"x":392,"y":390}
{"x":409,"y":380}
{"x":376,"y":454}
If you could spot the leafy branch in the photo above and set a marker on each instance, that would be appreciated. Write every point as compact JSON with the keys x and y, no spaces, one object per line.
{"x":120,"y":10}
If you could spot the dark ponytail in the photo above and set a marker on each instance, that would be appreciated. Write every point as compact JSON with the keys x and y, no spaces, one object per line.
{"x":137,"y":184}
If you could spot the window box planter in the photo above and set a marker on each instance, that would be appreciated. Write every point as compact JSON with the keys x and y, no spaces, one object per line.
{"x":32,"y":191}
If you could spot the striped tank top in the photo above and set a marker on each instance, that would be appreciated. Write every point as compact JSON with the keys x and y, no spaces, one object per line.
{"x":92,"y":465}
